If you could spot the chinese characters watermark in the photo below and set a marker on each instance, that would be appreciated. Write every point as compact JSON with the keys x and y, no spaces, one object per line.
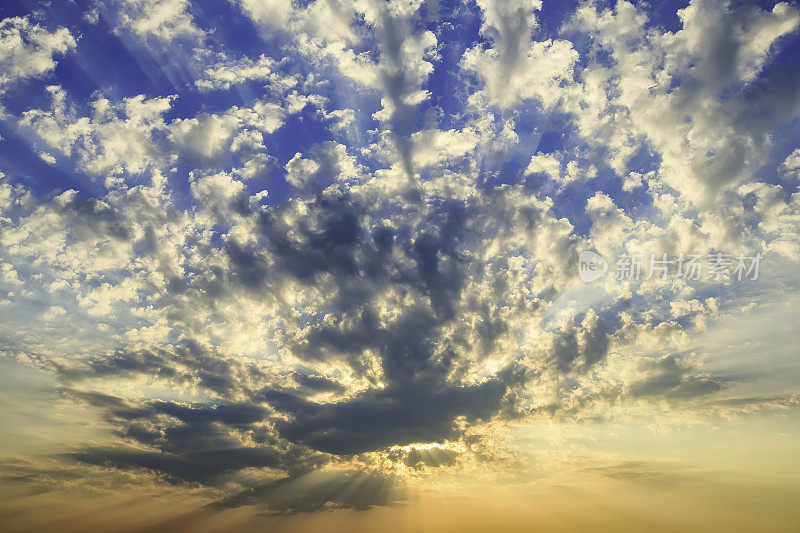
{"x":715,"y":267}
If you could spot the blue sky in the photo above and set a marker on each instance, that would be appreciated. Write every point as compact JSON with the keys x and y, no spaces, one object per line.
{"x":121,"y":68}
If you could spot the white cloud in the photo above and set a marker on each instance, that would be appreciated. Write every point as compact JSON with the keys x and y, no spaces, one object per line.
{"x":515,"y":68}
{"x":207,"y":136}
{"x":791,"y":166}
{"x":226,"y":74}
{"x":434,"y":146}
{"x":117,"y":138}
{"x":132,"y":137}
{"x":165,"y":20}
{"x":665,"y":89}
{"x":29,"y":50}
{"x":545,"y":163}
{"x":216,"y":190}
{"x":269,"y":13}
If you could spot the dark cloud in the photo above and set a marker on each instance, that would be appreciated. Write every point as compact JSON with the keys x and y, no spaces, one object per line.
{"x":669,"y":377}
{"x":326,"y":240}
{"x":580,"y":347}
{"x":92,"y":218}
{"x":400,"y":415}
{"x":418,"y":400}
{"x":190,"y":442}
{"x":334,"y":241}
{"x":316,"y":383}
{"x":195,"y":462}
{"x":187,"y":362}
{"x":194,"y":443}
{"x":432,"y":457}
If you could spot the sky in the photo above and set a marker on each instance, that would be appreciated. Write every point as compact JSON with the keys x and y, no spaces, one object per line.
{"x":399,"y":265}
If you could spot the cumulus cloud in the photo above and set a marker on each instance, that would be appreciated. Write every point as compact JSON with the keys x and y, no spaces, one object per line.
{"x":165,"y":20}
{"x":117,"y":138}
{"x":702,"y":79}
{"x":226,"y":74}
{"x":516,"y":67}
{"x":29,"y":50}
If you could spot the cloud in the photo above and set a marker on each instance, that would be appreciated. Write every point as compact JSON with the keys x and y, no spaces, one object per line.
{"x":791,"y":166}
{"x":224,"y":75}
{"x":346,"y":256}
{"x":29,"y":50}
{"x":668,"y":377}
{"x":581,"y":347}
{"x":165,"y":20}
{"x":400,"y":415}
{"x":185,"y":443}
{"x":681,"y":78}
{"x":516,"y":68}
{"x":117,"y":138}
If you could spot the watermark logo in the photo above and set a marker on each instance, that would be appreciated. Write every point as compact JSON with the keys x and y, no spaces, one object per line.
{"x":591,"y":266}
{"x":716,"y":267}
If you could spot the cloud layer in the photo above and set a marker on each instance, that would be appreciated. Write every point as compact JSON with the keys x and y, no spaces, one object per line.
{"x":341,"y":251}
